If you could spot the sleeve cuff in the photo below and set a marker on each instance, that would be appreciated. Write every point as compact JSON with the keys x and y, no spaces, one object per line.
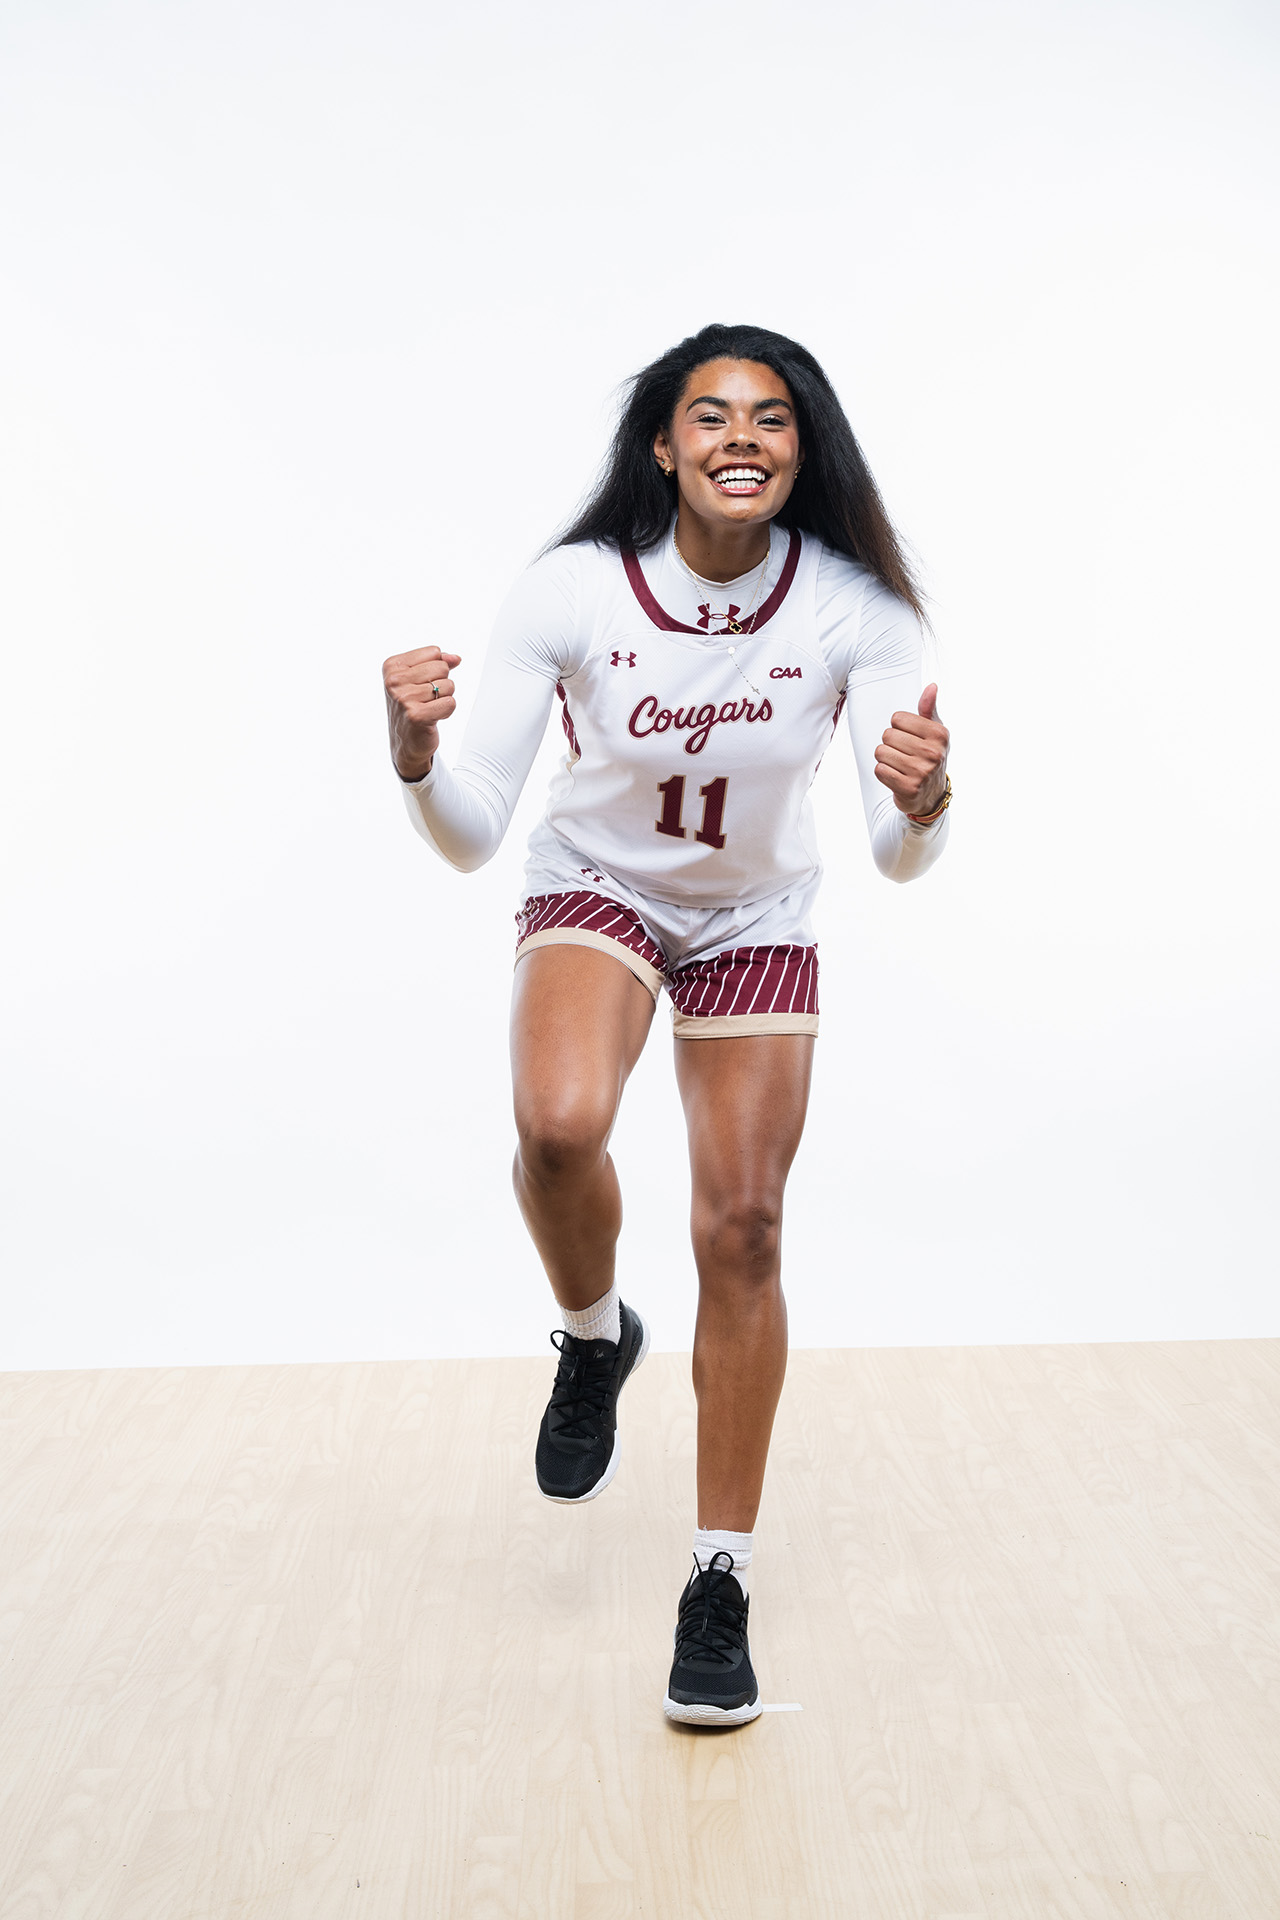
{"x":415,"y":786}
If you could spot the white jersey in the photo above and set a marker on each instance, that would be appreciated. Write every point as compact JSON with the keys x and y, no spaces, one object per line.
{"x":690,"y":749}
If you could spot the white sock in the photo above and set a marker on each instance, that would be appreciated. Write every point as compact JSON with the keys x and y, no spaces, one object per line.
{"x":711,"y":1540}
{"x":602,"y":1320}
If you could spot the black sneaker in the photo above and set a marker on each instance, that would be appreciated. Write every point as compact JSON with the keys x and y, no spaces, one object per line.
{"x":577,"y":1452}
{"x":712,"y":1683}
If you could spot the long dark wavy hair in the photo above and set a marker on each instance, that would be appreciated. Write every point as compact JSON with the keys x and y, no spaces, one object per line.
{"x":835,"y":497}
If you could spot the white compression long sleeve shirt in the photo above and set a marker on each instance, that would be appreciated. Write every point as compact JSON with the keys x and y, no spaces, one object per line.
{"x":869,"y":644}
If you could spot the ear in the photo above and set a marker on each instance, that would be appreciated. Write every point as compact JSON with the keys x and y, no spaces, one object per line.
{"x":662,"y":449}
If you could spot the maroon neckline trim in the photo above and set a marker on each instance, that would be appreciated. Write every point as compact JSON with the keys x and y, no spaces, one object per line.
{"x":661,"y":618}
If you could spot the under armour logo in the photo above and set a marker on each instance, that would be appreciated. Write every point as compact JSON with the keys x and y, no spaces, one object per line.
{"x":587,"y":874}
{"x":618,"y":659}
{"x":705,"y":617}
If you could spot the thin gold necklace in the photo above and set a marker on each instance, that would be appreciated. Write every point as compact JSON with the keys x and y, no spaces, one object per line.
{"x":709,"y":587}
{"x":731,"y":626}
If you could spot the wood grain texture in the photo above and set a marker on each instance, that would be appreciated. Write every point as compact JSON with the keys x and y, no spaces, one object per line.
{"x":303,"y":1643}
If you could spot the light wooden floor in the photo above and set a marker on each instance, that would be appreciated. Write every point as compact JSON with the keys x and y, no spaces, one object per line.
{"x":294,"y":1643}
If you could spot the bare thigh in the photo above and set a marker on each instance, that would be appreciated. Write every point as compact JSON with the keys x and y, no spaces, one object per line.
{"x":745,"y":1103}
{"x":579,"y":1021}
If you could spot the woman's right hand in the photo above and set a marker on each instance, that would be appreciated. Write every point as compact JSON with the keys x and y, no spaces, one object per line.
{"x":419,"y":696}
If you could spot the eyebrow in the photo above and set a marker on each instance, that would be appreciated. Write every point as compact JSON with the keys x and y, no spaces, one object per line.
{"x":713,"y":400}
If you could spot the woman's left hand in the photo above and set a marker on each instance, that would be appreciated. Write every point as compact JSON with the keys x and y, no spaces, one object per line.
{"x":911,"y":759}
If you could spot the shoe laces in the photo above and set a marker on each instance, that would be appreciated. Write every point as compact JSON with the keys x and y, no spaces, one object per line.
{"x":712,"y":1624}
{"x":583,"y":1383}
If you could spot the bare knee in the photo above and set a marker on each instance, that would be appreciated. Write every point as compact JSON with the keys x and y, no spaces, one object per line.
{"x":741,"y":1236}
{"x":562,"y":1142}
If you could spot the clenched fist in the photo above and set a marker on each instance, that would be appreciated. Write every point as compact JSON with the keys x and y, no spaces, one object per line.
{"x":419,"y":697}
{"x":912,"y":757}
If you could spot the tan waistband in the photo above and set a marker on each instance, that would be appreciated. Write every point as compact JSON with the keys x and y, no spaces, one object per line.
{"x":729,"y":1026}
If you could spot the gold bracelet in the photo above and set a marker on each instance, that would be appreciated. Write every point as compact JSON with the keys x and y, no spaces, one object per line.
{"x":927,"y":819}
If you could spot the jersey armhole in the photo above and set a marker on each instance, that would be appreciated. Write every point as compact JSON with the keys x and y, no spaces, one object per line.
{"x":585,"y":599}
{"x":607,"y":590}
{"x":839,"y":682}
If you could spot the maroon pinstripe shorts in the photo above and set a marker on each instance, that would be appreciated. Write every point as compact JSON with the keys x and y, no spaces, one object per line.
{"x":761,"y":989}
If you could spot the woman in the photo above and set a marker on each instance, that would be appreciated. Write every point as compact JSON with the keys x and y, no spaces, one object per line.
{"x":732,"y":585}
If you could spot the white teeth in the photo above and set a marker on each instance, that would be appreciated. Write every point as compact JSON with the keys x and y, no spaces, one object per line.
{"x":741,"y":477}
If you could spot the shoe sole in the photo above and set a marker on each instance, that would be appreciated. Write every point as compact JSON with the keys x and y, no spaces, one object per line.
{"x":700,"y":1714}
{"x":593,"y":1493}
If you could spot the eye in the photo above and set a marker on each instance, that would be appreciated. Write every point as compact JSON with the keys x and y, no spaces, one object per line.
{"x":710,"y":420}
{"x":772,"y":420}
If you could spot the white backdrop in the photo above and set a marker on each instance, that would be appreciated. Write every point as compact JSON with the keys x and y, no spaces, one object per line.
{"x":310,"y":323}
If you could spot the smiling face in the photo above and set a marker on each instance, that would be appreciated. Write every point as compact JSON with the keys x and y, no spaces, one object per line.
{"x":733,"y":442}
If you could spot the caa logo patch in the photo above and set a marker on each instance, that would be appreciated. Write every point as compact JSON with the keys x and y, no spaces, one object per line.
{"x":785,"y":673}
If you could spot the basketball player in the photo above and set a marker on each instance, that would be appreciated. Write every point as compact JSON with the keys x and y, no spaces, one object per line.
{"x":732,"y":587}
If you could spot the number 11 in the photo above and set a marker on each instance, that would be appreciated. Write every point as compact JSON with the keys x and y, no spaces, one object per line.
{"x":713,"y":799}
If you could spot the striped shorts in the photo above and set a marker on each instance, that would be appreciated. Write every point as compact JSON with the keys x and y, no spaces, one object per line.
{"x":743,"y":989}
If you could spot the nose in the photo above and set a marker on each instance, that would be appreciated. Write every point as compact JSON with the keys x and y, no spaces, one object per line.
{"x":741,"y":437}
